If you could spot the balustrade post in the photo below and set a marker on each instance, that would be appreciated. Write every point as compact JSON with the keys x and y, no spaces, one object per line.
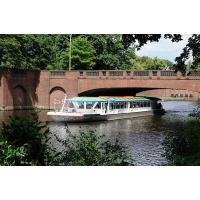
{"x":158,"y":74}
{"x":179,"y":75}
{"x":104,"y":73}
{"x":150,"y":74}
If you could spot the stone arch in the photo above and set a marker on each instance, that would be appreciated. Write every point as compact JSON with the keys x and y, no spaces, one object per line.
{"x":19,"y":97}
{"x":113,"y":91}
{"x":56,"y":96}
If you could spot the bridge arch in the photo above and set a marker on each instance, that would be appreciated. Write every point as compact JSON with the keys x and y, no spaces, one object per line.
{"x":19,"y":95}
{"x":114,"y":91}
{"x":56,"y":95}
{"x":157,"y":92}
{"x":170,"y":86}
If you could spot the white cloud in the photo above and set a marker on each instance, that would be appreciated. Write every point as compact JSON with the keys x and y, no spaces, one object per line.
{"x":164,"y":48}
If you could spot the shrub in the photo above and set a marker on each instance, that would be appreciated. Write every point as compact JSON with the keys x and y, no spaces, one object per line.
{"x":196,"y":113}
{"x":182,"y":145}
{"x":89,"y":149}
{"x":23,"y":141}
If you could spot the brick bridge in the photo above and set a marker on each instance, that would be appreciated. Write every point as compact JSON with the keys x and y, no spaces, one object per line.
{"x":20,"y":89}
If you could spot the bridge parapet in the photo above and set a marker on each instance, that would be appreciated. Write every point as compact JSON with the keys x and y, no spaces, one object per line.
{"x":123,"y":74}
{"x":145,"y":74}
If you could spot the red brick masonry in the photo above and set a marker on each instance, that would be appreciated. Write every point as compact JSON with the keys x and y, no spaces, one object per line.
{"x":24,"y":89}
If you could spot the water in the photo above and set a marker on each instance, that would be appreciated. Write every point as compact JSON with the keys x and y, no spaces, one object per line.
{"x":142,"y":135}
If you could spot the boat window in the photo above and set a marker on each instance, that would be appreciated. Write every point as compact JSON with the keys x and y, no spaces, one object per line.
{"x":133,"y":105}
{"x":70,"y":105}
{"x":103,"y":106}
{"x":148,"y":104}
{"x":89,"y":105}
{"x":81,"y":105}
{"x":98,"y":106}
{"x":111,"y":106}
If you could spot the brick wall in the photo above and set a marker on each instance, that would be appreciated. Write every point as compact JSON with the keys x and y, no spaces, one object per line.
{"x":20,"y":89}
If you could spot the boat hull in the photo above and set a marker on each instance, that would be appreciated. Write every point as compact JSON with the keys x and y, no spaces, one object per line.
{"x":92,"y":118}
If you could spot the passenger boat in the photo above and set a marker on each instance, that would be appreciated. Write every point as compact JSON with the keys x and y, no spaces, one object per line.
{"x":82,"y":109}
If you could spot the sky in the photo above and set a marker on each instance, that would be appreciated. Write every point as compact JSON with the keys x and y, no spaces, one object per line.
{"x":164,"y":49}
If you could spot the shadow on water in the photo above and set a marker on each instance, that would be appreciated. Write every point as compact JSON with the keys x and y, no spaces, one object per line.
{"x":142,"y":135}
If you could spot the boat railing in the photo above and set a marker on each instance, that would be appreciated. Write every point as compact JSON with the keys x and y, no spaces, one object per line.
{"x":57,"y":103}
{"x":105,"y":111}
{"x":86,"y":111}
{"x":127,"y":110}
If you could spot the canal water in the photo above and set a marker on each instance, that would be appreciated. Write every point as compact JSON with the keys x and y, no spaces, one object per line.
{"x":143,"y":135}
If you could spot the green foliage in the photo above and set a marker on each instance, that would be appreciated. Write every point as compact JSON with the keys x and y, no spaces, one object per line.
{"x":140,"y":40}
{"x":12,"y":156}
{"x":83,"y":54}
{"x":98,"y":52}
{"x":22,"y":141}
{"x":88,"y":149}
{"x":110,"y":52}
{"x":10,"y":52}
{"x":196,"y":113}
{"x":191,"y":49}
{"x":182,"y":146}
{"x":60,"y":45}
{"x":25,"y":51}
{"x":147,"y":63}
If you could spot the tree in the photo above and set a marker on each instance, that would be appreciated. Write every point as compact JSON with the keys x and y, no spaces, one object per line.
{"x":192,"y":48}
{"x":88,"y":51}
{"x":25,"y":51}
{"x":110,"y":52}
{"x":59,"y":47}
{"x":37,"y":50}
{"x":10,"y":52}
{"x":139,"y":40}
{"x":83,"y":54}
{"x":147,"y":63}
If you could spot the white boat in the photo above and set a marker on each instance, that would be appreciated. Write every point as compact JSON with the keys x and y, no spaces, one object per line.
{"x":81,"y":109}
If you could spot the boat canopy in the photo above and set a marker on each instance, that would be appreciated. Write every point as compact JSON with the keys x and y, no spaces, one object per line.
{"x":106,"y":99}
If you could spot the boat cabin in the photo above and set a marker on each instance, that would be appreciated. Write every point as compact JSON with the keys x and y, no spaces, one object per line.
{"x":106,"y":105}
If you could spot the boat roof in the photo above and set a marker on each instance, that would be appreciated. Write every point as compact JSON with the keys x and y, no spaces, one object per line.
{"x":107,"y":99}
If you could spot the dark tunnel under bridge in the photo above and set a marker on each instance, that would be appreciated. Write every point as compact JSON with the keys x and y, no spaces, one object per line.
{"x":114,"y":92}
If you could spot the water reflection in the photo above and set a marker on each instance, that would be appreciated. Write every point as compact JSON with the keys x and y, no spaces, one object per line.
{"x":143,"y":135}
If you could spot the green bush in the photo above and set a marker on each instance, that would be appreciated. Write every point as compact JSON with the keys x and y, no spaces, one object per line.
{"x":89,"y":149}
{"x":12,"y":156}
{"x":23,"y":141}
{"x":182,"y":145}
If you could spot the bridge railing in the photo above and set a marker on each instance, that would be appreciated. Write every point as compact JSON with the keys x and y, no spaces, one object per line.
{"x":127,"y":74}
{"x":136,"y":74}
